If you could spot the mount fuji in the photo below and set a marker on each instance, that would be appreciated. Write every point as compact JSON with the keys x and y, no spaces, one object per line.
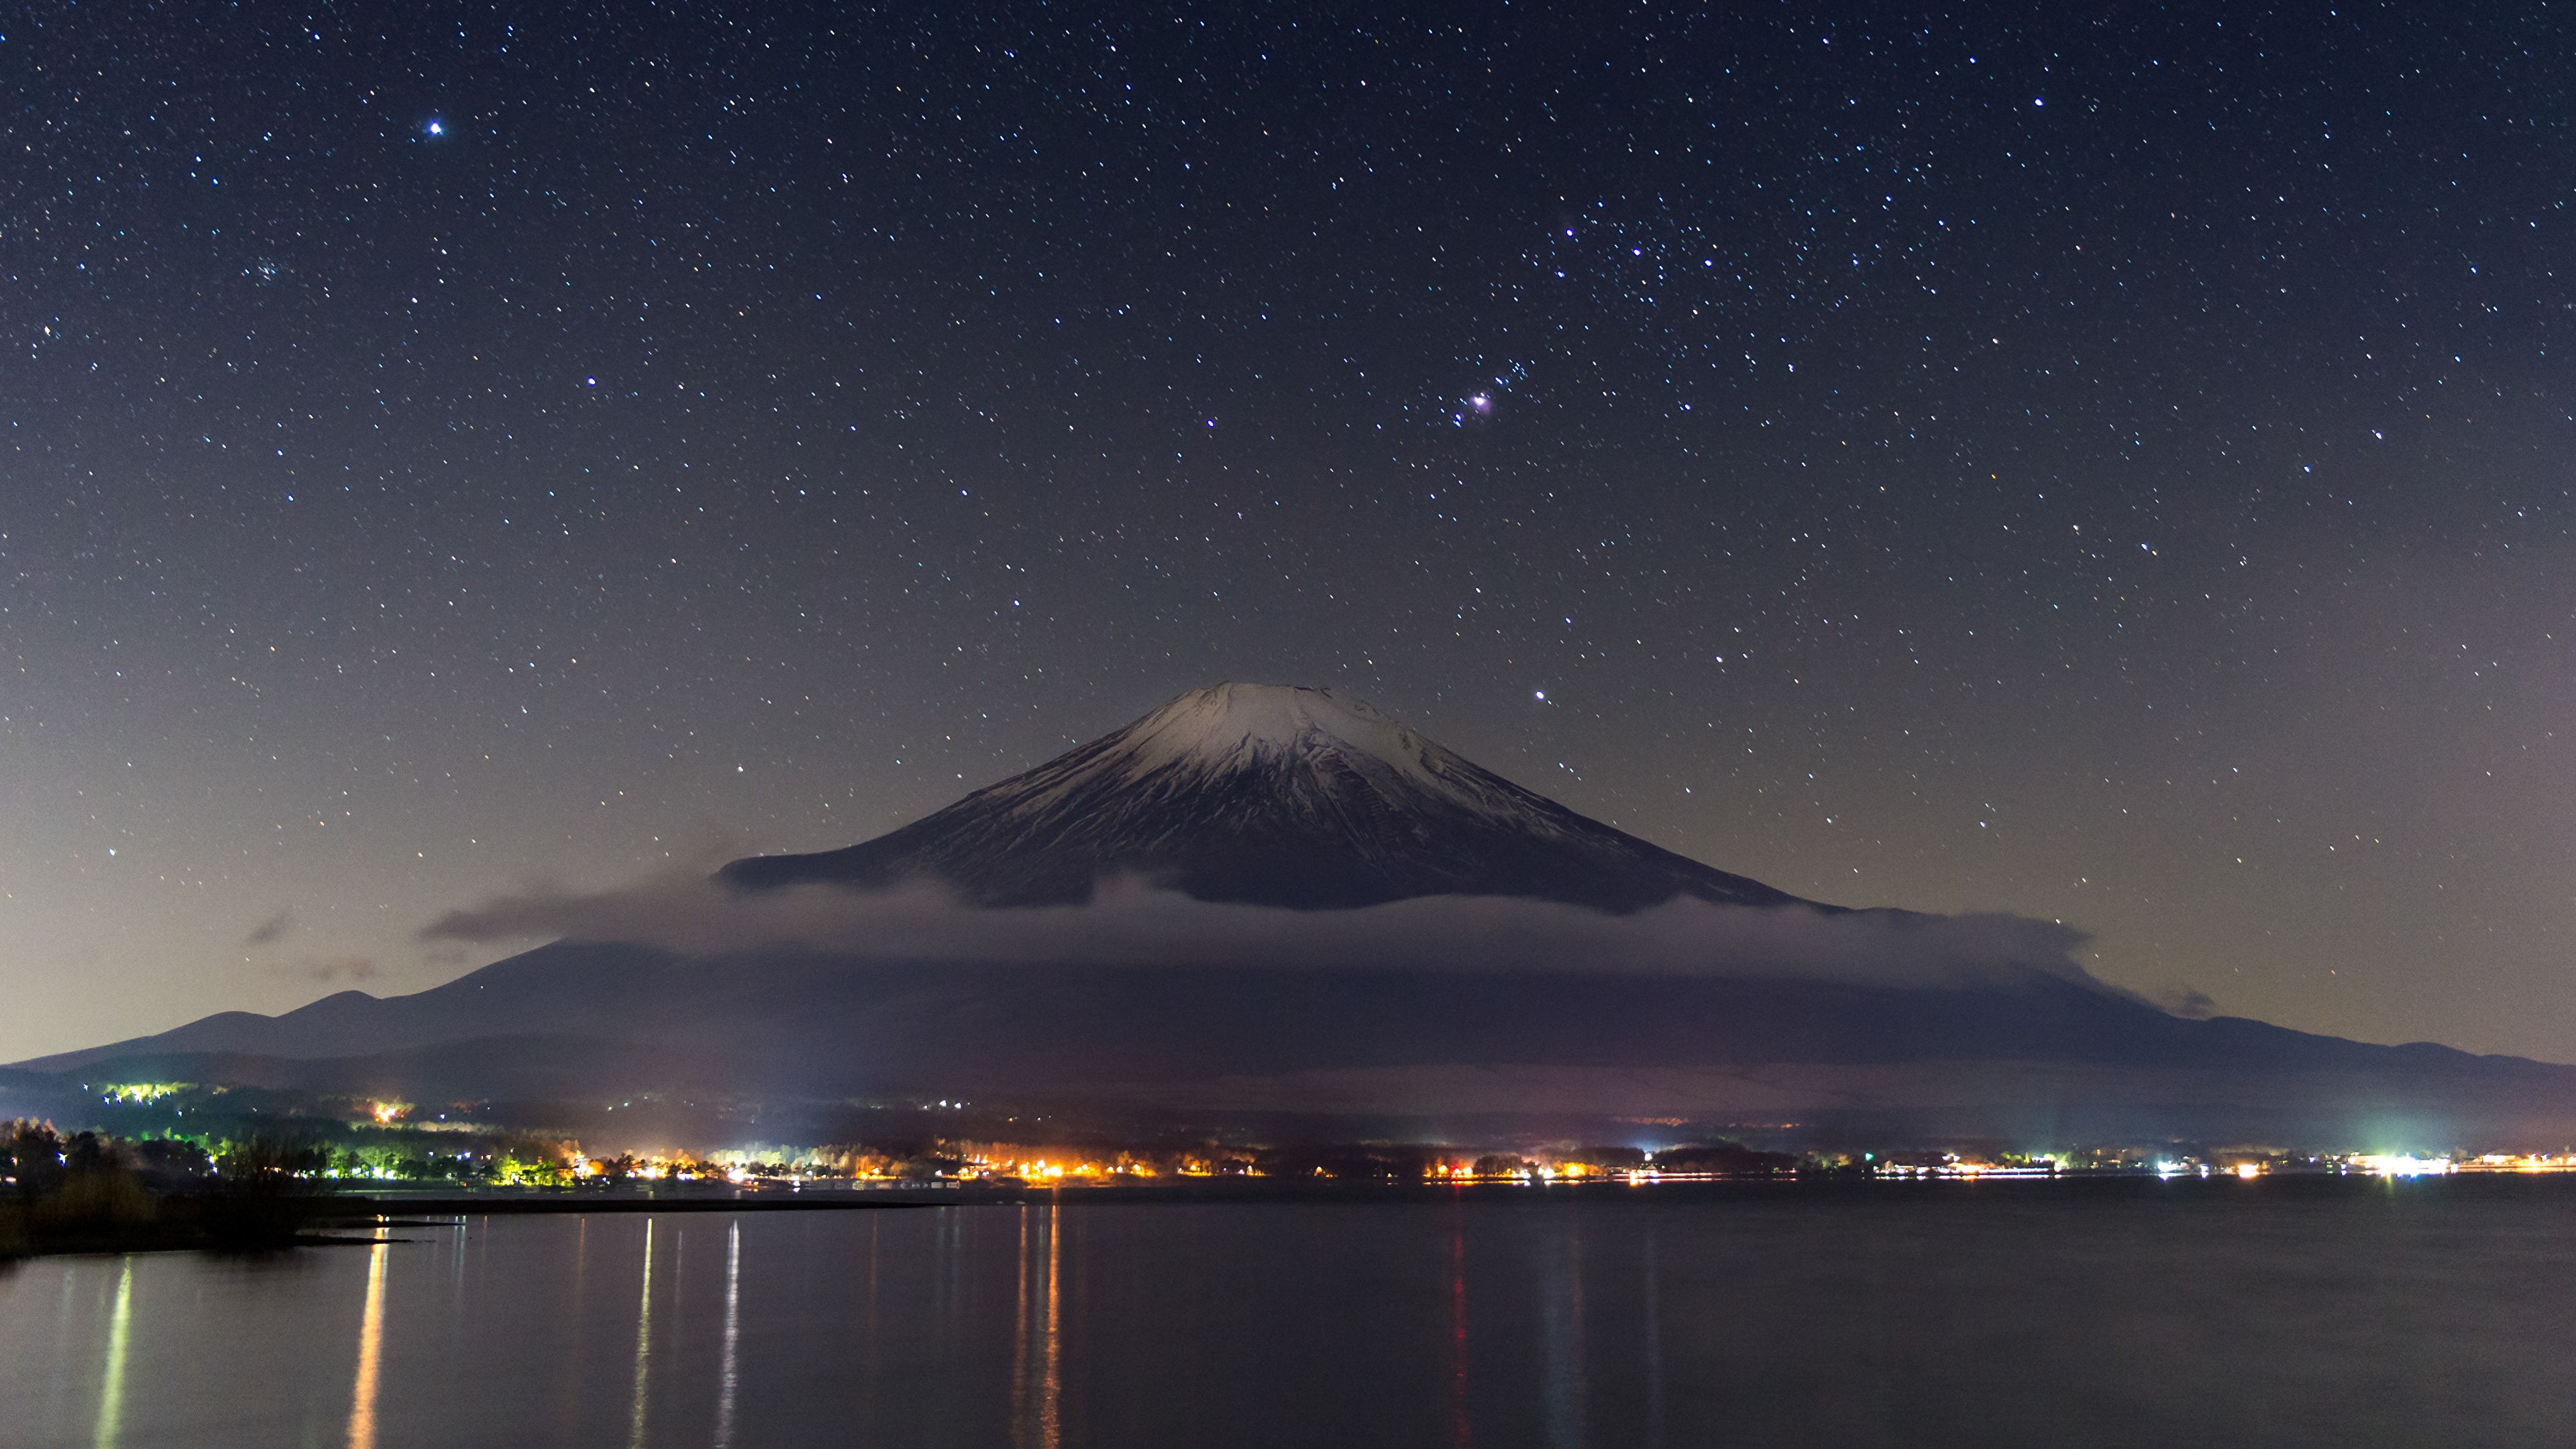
{"x":1266,"y":795}
{"x":1282,"y":903}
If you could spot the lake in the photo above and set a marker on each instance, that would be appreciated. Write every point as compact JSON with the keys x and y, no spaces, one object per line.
{"x":2281,"y":1312}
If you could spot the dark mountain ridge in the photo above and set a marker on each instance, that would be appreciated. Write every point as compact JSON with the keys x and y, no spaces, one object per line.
{"x":595,"y":1022}
{"x":1300,"y":799}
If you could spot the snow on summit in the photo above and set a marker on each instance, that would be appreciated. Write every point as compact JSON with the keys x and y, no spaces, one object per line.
{"x":1270,"y":794}
{"x":1232,"y":729}
{"x":1229,"y":722}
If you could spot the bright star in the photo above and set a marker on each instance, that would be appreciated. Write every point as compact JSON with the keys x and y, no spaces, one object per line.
{"x":438,"y":128}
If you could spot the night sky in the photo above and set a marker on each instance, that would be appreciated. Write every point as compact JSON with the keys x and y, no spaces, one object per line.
{"x":2107,"y":463}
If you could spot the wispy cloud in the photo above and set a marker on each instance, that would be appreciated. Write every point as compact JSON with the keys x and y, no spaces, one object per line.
{"x":274,"y":928}
{"x":332,"y":969}
{"x":2186,"y":1001}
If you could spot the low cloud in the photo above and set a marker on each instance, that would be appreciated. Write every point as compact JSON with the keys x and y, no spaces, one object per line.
{"x":1129,"y":923}
{"x":2186,"y":1001}
{"x":272,"y":929}
{"x":331,"y":969}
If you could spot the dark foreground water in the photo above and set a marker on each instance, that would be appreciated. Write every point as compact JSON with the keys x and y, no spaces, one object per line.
{"x":2189,"y":1313}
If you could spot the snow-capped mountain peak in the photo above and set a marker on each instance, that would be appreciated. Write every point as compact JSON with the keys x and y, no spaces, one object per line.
{"x":1266,"y":793}
{"x":1240,"y":722}
{"x":1309,"y":741}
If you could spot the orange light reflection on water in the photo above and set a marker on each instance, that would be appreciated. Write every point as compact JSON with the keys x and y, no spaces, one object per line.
{"x":371,"y":1344}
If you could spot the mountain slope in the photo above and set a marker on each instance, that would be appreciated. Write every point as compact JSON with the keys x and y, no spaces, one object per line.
{"x":602,"y":1022}
{"x":1305,"y":800}
{"x":1271,"y":795}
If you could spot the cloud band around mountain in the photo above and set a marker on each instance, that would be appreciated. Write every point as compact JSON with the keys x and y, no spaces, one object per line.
{"x":1130,"y":923}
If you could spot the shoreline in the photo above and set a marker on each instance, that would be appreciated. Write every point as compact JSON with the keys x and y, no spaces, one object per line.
{"x":325,"y":1220}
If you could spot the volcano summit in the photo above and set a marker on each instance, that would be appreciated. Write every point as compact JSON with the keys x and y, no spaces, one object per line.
{"x":1267,"y":795}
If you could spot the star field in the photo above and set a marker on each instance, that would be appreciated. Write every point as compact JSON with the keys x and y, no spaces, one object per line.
{"x":2110,"y":467}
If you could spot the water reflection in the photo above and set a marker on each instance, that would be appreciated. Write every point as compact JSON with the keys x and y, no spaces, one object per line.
{"x":1020,"y":1340}
{"x":725,"y":1377}
{"x":868,"y":1357}
{"x":1561,"y":1339}
{"x":371,"y":1340}
{"x":1459,"y":1435}
{"x":111,"y":1392}
{"x":1486,"y":1323}
{"x":1037,"y":1378}
{"x":577,"y":1304}
{"x":1654,"y":1346}
{"x":1049,"y":1431}
{"x":643,"y":1344}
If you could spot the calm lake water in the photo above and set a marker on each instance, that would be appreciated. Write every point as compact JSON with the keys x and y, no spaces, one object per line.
{"x":2421,"y":1313}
